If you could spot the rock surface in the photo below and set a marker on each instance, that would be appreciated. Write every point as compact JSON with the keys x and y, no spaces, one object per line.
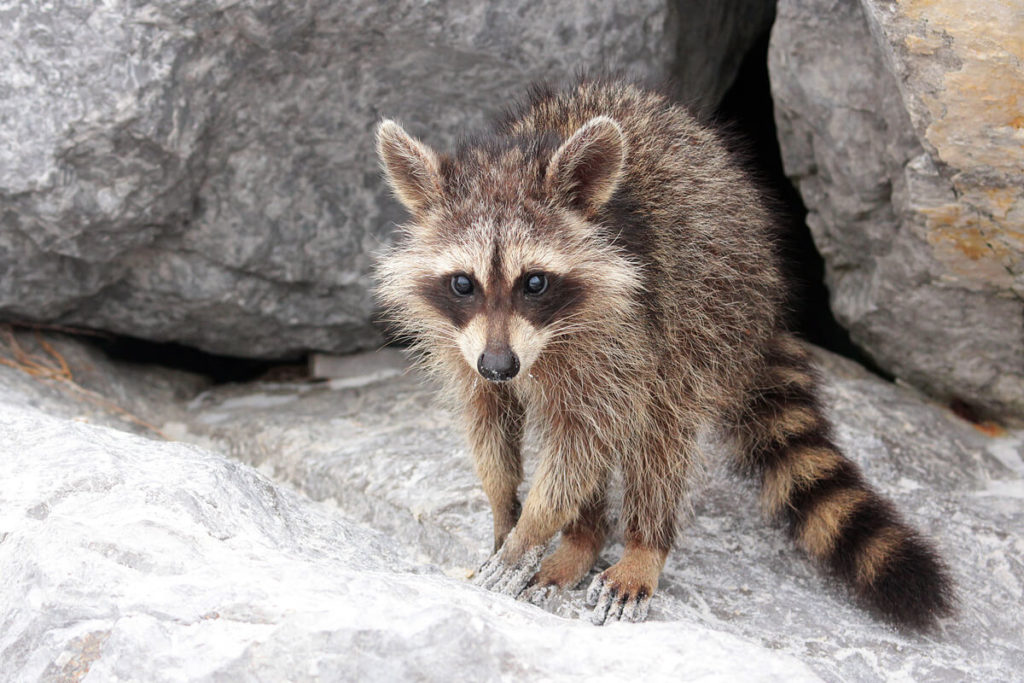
{"x":127,"y":552}
{"x":202,"y":172}
{"x":126,"y":558}
{"x":901,"y":125}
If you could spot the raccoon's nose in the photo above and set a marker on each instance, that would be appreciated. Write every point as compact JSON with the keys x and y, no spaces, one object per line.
{"x":498,"y":367}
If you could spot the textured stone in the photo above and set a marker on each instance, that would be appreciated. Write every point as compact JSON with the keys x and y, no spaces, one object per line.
{"x":125,"y":558}
{"x":67,"y":379}
{"x":388,"y":456}
{"x":900,"y":124}
{"x":297,"y":585}
{"x":203,"y":172}
{"x":714,"y":38}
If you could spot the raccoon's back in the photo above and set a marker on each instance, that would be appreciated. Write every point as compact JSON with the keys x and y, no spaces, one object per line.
{"x":693,"y":218}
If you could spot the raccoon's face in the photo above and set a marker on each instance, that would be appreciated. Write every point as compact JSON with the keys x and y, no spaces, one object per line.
{"x":503,"y":259}
{"x":502,"y":294}
{"x":503,"y":321}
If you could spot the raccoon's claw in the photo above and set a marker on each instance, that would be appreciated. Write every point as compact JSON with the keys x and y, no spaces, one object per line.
{"x":509,"y":578}
{"x":612,"y":602}
{"x":537,"y":594}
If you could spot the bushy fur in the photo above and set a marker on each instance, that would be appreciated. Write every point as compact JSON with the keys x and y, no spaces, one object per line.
{"x":662,"y":317}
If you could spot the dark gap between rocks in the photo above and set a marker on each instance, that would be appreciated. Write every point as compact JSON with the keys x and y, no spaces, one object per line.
{"x":748,"y":115}
{"x":220,"y":369}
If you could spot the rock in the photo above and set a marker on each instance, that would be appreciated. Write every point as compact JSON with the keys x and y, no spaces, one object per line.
{"x":203,"y":172}
{"x":386,"y":455}
{"x":131,"y":559}
{"x":382,"y":364}
{"x":900,"y":124}
{"x":714,"y":38}
{"x":66,"y":378}
{"x":127,"y":555}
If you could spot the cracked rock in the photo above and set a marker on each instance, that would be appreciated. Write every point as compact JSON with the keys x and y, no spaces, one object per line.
{"x":900,"y":125}
{"x":204,"y":173}
{"x":129,"y":554}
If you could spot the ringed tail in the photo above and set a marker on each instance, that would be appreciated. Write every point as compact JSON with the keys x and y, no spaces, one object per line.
{"x":832,"y":512}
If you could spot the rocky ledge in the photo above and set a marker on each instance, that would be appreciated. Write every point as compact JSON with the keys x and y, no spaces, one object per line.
{"x":325,"y":531}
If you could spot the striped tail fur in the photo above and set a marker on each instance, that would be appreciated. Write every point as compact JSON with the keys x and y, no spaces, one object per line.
{"x":832,"y":512}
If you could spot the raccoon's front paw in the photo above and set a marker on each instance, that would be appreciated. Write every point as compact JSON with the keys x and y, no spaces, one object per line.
{"x":618,"y":599}
{"x":562,"y":570}
{"x":503,"y":573}
{"x":537,"y":594}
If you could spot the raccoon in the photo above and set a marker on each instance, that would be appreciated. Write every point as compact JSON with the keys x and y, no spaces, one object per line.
{"x":600,"y":270}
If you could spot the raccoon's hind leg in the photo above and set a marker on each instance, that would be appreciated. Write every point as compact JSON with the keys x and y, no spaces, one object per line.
{"x":494,"y":424}
{"x":832,"y":512}
{"x":654,"y":480}
{"x":580,"y":546}
{"x":623,"y":592}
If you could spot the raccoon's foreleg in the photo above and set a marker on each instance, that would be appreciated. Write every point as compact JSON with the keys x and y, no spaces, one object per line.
{"x":565,"y":481}
{"x":654,"y":483}
{"x":577,"y":552}
{"x":494,"y":423}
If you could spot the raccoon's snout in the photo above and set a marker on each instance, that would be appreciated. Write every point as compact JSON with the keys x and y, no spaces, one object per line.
{"x":498,"y":367}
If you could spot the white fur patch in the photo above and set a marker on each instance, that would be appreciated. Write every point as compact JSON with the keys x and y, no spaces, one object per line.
{"x":473,"y":340}
{"x":527,"y":342}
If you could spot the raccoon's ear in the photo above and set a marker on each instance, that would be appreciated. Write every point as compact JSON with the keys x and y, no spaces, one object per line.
{"x":586,"y":169}
{"x":411,"y":167}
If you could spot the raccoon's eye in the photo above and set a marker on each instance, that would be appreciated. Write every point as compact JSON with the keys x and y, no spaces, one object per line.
{"x":462,"y":285}
{"x":536,"y":283}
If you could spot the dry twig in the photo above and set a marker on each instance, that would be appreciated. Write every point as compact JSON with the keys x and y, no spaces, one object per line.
{"x":54,"y":367}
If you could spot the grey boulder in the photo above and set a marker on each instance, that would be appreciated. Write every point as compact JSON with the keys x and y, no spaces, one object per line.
{"x":900,"y":124}
{"x":203,"y":172}
{"x":384,"y":452}
{"x":128,"y":556}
